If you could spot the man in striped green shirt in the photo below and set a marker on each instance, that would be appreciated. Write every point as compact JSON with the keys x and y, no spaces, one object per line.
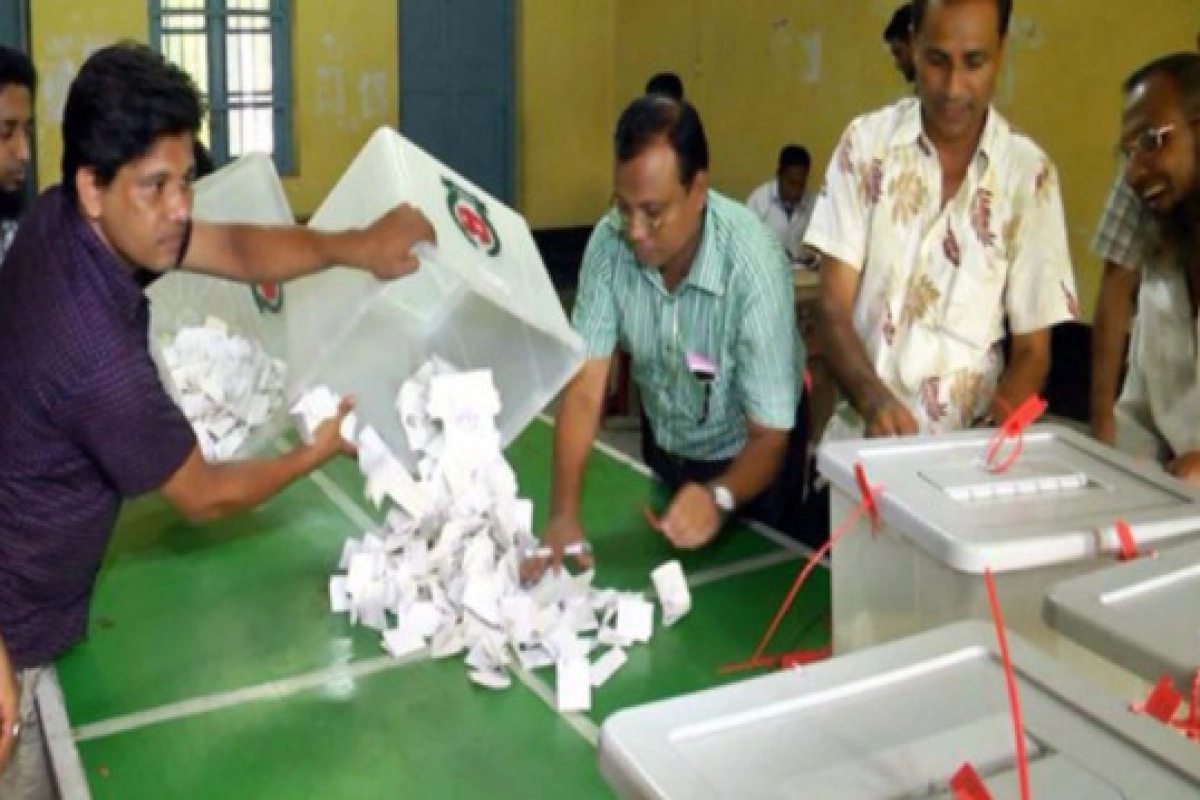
{"x":699,"y":293}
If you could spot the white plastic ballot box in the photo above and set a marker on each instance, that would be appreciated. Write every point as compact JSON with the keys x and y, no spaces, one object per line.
{"x":945,"y":518}
{"x":1142,"y":615}
{"x":246,"y":191}
{"x":898,"y":721}
{"x":481,"y":299}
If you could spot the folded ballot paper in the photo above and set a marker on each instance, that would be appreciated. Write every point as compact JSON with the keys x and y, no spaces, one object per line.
{"x":227,"y":385}
{"x":443,"y":572}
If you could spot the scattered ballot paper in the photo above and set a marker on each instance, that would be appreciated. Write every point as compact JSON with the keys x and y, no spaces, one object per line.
{"x":670,"y":586}
{"x":226,"y":385}
{"x":635,"y":618}
{"x":319,"y":405}
{"x":574,"y":684}
{"x":443,"y":570}
{"x":606,"y":666}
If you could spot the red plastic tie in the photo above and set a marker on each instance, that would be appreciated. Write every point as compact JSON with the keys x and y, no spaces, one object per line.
{"x":1191,"y":725}
{"x":967,"y":785}
{"x":759,"y":659}
{"x":653,"y":521}
{"x":1163,"y":702}
{"x":1129,"y":548}
{"x":798,"y":658}
{"x":868,"y":497}
{"x":1012,"y":434}
{"x":1010,"y":681}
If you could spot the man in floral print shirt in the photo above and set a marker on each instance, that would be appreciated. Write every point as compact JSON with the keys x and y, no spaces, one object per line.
{"x":938,"y":226}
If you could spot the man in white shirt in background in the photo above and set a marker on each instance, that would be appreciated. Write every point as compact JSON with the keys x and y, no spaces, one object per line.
{"x":784,"y":202}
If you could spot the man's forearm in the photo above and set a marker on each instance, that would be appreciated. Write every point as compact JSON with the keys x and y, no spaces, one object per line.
{"x":1025,"y":376}
{"x":244,"y":485}
{"x":851,"y":367}
{"x":757,"y":465}
{"x":574,"y":433}
{"x":1110,"y":330}
{"x":282,"y":254}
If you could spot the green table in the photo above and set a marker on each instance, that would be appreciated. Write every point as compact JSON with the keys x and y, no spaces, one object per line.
{"x":213,"y":667}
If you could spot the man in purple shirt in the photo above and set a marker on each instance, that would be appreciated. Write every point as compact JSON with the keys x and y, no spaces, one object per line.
{"x":84,"y":420}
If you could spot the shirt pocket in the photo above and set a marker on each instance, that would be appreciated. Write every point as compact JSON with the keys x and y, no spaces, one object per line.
{"x":974,"y":305}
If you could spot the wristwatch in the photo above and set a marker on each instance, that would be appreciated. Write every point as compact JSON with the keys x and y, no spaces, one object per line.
{"x":723,"y":498}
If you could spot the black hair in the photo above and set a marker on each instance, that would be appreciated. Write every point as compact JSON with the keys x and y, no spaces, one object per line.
{"x":655,"y":116}
{"x":667,"y":83}
{"x":17,"y":68}
{"x":900,"y":26}
{"x":1184,"y":71}
{"x":202,"y":158}
{"x":125,"y":97}
{"x":1003,"y":11}
{"x":793,"y":155}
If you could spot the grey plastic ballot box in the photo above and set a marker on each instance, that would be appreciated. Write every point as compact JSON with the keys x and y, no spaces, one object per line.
{"x":1143,"y":615}
{"x":897,"y":721}
{"x":945,"y":517}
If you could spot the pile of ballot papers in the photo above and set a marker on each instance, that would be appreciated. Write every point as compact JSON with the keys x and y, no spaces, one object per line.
{"x":225,"y":384}
{"x":444,"y":570}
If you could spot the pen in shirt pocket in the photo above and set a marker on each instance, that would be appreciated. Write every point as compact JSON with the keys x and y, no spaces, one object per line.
{"x":704,"y":370}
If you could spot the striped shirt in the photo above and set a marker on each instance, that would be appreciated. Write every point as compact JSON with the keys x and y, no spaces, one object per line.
{"x":734,"y":309}
{"x":84,"y":422}
{"x":1124,"y":236}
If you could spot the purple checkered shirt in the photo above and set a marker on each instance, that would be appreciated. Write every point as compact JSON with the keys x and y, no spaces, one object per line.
{"x":84,"y":422}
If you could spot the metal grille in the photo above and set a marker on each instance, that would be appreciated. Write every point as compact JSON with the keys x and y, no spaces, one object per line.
{"x":238,"y":52}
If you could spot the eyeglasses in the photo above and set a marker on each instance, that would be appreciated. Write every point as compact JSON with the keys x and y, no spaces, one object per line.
{"x":652,"y":221}
{"x":1145,"y":142}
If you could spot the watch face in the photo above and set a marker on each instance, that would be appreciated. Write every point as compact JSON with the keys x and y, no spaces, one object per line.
{"x":723,"y":498}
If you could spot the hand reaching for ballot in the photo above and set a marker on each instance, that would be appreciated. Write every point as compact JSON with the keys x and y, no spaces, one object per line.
{"x":563,"y":536}
{"x":386,"y":247}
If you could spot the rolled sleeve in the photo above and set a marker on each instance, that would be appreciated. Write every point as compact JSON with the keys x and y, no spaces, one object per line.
{"x":838,"y":227}
{"x":594,"y":315}
{"x":768,"y":350}
{"x":1041,"y":284}
{"x":124,"y":420}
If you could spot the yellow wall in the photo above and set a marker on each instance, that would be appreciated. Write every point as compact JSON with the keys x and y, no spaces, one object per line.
{"x":751,"y":69}
{"x":64,"y":32}
{"x":345,"y":63}
{"x":762,"y":72}
{"x":565,"y":109}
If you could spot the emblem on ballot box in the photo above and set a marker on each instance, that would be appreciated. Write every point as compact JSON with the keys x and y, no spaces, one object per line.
{"x":268,"y":297}
{"x":470,"y":215}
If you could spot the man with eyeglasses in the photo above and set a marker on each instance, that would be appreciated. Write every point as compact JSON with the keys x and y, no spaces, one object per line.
{"x":1118,"y":243}
{"x":939,"y":226}
{"x":1155,"y":417}
{"x":699,"y":293}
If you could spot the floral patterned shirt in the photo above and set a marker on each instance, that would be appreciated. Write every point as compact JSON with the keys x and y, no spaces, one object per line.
{"x":940,"y":280}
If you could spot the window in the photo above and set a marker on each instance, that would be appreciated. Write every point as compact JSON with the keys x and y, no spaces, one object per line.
{"x":239,"y":54}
